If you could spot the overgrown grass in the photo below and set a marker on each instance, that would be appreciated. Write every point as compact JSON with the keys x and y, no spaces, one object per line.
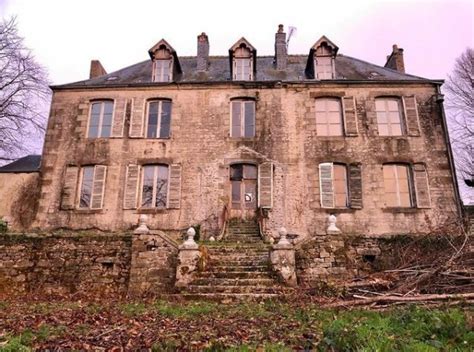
{"x":190,"y":310}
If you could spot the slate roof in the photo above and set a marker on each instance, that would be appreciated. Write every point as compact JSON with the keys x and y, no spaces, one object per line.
{"x":27,"y":164}
{"x":347,"y":68}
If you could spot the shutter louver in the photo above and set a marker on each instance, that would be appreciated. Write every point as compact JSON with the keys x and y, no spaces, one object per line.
{"x":422,"y":189}
{"x":68,"y":196}
{"x":265,"y":185}
{"x":174,"y":191}
{"x":350,"y":116}
{"x":411,"y":116}
{"x":119,"y":117}
{"x":355,"y":186}
{"x":98,"y":187}
{"x":131,"y":187}
{"x":136,"y":119}
{"x":326,"y":185}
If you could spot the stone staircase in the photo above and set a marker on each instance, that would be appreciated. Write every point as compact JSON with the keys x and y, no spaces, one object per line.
{"x":239,"y":267}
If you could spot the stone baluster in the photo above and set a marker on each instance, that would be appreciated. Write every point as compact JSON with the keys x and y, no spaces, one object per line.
{"x":188,"y":258}
{"x":332,"y":228}
{"x":282,"y":257}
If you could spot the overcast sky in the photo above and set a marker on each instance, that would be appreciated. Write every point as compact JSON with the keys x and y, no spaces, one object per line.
{"x":66,"y":35}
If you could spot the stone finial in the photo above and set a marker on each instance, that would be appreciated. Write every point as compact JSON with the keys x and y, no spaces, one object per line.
{"x":283,"y":239}
{"x":96,"y":69}
{"x":332,"y":228}
{"x":142,"y":226}
{"x":190,"y":243}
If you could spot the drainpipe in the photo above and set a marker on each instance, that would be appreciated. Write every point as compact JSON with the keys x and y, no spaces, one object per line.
{"x":440,"y":100}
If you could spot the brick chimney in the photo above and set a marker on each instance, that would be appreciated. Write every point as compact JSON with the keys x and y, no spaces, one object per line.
{"x":202,"y":52}
{"x":395,"y":59}
{"x":97,"y":69}
{"x":281,"y":54}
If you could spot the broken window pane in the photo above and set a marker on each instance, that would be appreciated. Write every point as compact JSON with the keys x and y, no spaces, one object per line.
{"x":236,"y":172}
{"x":250,"y":172}
{"x":161,"y":186}
{"x":147,"y":188}
{"x":86,"y":186}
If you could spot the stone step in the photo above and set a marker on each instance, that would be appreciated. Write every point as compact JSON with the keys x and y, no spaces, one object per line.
{"x":235,"y":249}
{"x":240,"y":239}
{"x":232,"y":289}
{"x":238,"y":246}
{"x":227,"y":296}
{"x":236,"y":275}
{"x":238,"y":268}
{"x":207,"y":281}
{"x":237,"y":263}
{"x":225,"y":257}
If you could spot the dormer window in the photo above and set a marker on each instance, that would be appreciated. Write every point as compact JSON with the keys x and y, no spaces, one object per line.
{"x":242,"y":56}
{"x":321,"y":60}
{"x":165,"y":62}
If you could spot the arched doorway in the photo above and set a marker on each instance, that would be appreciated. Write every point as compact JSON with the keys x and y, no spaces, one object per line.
{"x":243,"y":179}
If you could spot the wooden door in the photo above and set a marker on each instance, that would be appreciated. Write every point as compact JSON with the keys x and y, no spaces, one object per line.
{"x":243,"y":179}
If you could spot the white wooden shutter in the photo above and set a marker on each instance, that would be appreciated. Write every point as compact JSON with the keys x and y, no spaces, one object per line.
{"x":350,"y":116}
{"x":326,"y":172}
{"x":265,"y":185}
{"x":174,"y":190}
{"x":137,"y":117}
{"x":411,"y":116}
{"x":422,"y":188}
{"x":131,"y":187}
{"x":98,"y":187}
{"x":119,"y":117}
{"x":68,"y":194}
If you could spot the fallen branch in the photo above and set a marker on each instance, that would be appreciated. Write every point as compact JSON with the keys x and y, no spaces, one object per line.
{"x":398,"y":299}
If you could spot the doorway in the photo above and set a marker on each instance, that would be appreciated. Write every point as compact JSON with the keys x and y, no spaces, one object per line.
{"x":243,"y":179}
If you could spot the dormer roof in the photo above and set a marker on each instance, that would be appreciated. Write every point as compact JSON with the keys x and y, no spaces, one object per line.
{"x":243,"y":42}
{"x":325,"y":41}
{"x":163,"y":44}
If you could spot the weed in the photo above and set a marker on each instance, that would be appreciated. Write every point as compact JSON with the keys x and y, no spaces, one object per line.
{"x":133,"y":309}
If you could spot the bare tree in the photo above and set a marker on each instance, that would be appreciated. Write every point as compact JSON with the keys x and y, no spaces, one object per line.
{"x":24,"y":93}
{"x":459,"y":90}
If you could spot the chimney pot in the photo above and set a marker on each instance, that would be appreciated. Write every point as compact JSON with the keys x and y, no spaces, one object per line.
{"x":97,"y":69}
{"x":202,"y":52}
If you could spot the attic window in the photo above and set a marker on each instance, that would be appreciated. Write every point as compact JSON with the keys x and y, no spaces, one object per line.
{"x":162,"y":65}
{"x":243,"y":70}
{"x":321,"y":62}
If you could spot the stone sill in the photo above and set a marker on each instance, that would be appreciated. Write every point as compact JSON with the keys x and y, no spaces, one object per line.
{"x":340,"y":210}
{"x":400,"y":210}
{"x":152,"y":211}
{"x":88,"y":211}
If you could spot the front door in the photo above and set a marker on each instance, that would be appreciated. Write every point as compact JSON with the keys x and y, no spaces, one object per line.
{"x":243,"y":178}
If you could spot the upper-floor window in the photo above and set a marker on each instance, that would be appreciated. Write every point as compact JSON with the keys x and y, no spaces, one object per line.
{"x":389,"y":116}
{"x":100,"y":121}
{"x":243,"y":118}
{"x":324,"y":67}
{"x":158,"y":119}
{"x":397,"y":185}
{"x":242,"y":64}
{"x":163,"y":71}
{"x":92,"y":186}
{"x":154,"y":186}
{"x":333,"y":182}
{"x":329,"y":117}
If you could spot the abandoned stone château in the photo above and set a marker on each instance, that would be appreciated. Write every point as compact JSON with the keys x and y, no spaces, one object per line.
{"x":268,"y":142}
{"x":294,"y":137}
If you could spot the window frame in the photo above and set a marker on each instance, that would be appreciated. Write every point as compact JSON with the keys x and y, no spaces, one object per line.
{"x":410,"y":184}
{"x":79,"y":189}
{"x":160,"y":78}
{"x":327,"y":124}
{"x":331,"y":64}
{"x":346,"y":183}
{"x":243,"y":101}
{"x":159,"y":116}
{"x":155,"y":178}
{"x":101,"y":117}
{"x":401,"y":115}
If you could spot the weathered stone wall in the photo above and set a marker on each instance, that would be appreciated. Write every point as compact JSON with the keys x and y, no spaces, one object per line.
{"x":285,"y":134}
{"x":19,"y":193}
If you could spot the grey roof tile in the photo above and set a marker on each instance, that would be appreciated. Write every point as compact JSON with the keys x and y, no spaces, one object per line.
{"x":347,"y":68}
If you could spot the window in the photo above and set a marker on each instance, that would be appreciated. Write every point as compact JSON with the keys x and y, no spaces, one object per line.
{"x":243,"y":178}
{"x":159,"y":119}
{"x":163,"y":70}
{"x":243,"y":119}
{"x":242,"y":64}
{"x":328,"y":117}
{"x":333,"y":185}
{"x":100,"y":122}
{"x":324,"y":69}
{"x":92,"y":187}
{"x":154,"y":186}
{"x":397,"y":184}
{"x":389,"y":118}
